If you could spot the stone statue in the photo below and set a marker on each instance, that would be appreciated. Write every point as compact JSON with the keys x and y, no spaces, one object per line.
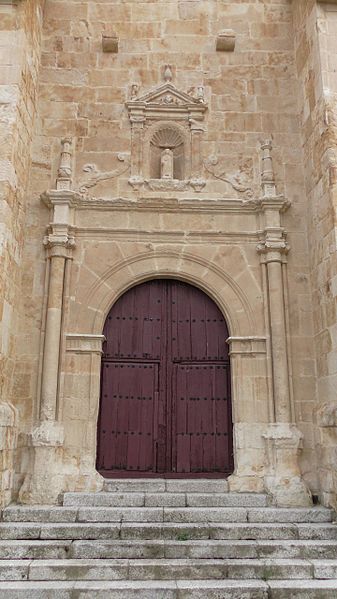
{"x":166,"y":164}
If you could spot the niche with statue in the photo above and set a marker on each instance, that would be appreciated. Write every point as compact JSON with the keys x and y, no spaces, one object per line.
{"x":166,"y":130}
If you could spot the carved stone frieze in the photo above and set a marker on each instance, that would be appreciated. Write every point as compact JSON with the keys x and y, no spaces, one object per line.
{"x":96,"y":176}
{"x":239,"y":180}
{"x":166,"y":184}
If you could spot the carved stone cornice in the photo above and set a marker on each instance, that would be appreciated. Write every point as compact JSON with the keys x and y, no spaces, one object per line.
{"x":59,"y":197}
{"x":278,"y":203}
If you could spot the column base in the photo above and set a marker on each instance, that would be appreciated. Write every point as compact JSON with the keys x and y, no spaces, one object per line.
{"x":283,"y":477}
{"x":50,"y":475}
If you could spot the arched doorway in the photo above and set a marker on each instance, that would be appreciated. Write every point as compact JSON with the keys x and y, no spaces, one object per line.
{"x":165,"y":406}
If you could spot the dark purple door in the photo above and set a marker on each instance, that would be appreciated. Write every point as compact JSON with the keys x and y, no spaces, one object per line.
{"x":165,"y":396}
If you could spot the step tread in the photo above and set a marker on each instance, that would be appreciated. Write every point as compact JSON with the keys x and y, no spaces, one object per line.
{"x":174,"y":499}
{"x":170,"y":584}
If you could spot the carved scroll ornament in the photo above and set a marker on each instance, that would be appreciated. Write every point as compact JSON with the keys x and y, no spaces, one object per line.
{"x":238,"y":180}
{"x":98,"y":176}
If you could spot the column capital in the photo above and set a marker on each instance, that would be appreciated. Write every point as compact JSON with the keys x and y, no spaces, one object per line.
{"x":273,"y":245}
{"x":59,"y":241}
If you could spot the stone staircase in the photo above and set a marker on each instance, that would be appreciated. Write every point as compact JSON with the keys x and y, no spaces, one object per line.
{"x":173,"y":539}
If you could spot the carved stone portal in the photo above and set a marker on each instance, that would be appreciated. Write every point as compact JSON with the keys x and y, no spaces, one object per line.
{"x":166,"y":130}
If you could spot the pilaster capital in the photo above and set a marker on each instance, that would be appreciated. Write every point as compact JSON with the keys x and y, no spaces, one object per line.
{"x":59,"y":241}
{"x":273,"y":246}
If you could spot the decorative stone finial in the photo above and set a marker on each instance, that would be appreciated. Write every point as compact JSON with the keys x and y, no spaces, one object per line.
{"x":64,"y":173}
{"x":134,"y":91}
{"x":168,"y":74}
{"x":200,"y":94}
{"x":267,"y":175}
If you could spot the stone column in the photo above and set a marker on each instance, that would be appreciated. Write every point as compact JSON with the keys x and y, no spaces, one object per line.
{"x":283,"y":439}
{"x":58,"y":253}
{"x":44,"y":482}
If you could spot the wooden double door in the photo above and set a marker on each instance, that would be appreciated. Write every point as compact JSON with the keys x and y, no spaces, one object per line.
{"x":165,"y":405}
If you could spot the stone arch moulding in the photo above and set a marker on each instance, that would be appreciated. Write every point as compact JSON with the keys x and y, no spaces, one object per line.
{"x":247,"y":347}
{"x":167,"y":106}
{"x":222,"y":288}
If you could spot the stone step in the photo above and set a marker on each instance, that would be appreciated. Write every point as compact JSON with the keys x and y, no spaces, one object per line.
{"x":148,"y":531}
{"x":165,"y":499}
{"x":18,"y":513}
{"x":161,"y":485}
{"x":195,"y":549}
{"x":171,"y":589}
{"x":166,"y":569}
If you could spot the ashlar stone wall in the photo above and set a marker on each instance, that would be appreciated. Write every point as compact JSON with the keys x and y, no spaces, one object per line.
{"x":316,"y":56}
{"x":20,"y":32}
{"x":108,"y":224}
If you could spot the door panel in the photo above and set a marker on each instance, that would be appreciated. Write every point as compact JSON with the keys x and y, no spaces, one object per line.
{"x":201,"y":418}
{"x":127,"y":432}
{"x":165,"y":396}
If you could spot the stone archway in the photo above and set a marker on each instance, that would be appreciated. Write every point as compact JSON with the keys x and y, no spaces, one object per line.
{"x":165,"y":407}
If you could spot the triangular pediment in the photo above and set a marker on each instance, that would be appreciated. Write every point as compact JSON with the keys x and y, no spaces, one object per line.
{"x":166,"y":95}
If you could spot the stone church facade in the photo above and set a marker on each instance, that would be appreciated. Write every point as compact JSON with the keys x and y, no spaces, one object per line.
{"x":183,"y":140}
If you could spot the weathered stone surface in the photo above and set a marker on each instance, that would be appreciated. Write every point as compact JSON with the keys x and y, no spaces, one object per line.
{"x":65,"y":126}
{"x":205,"y":515}
{"x":290,"y":515}
{"x":39,"y":514}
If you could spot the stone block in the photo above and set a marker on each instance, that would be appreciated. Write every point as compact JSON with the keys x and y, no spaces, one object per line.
{"x":290,"y":515}
{"x":24,"y":530}
{"x":36,"y":590}
{"x":325,"y":569}
{"x":14,"y":569}
{"x":108,"y":549}
{"x":317,"y":531}
{"x":205,"y":515}
{"x":226,"y":500}
{"x":228,"y":589}
{"x":267,"y":569}
{"x":83,"y":569}
{"x":134,"y":485}
{"x":38,"y":514}
{"x":175,"y":569}
{"x":306,"y":589}
{"x":165,"y":500}
{"x":80,"y":531}
{"x":196,"y":486}
{"x":253,"y":531}
{"x":104,"y":499}
{"x":101,"y":514}
{"x":225,"y":41}
{"x":110,"y":43}
{"x":34,"y":549}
